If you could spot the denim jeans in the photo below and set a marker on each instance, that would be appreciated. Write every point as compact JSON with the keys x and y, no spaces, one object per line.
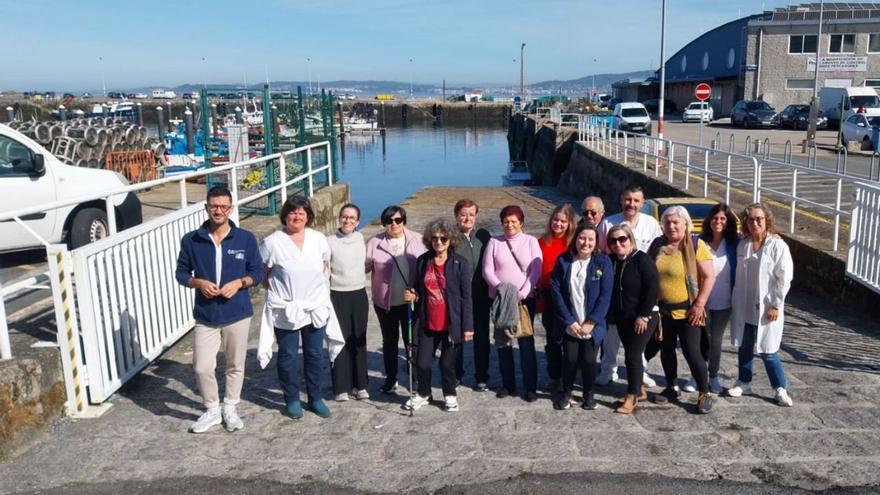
{"x":314,"y":363}
{"x":528,"y":359}
{"x":746,"y":355}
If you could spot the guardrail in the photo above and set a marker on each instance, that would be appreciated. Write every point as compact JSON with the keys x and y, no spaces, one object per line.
{"x":231,"y":173}
{"x":863,"y":256}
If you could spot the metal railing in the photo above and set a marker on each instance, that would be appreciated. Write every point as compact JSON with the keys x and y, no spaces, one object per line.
{"x":230,"y":171}
{"x":863,"y":255}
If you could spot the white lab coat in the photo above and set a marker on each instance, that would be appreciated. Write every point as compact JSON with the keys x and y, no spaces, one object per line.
{"x":774,"y":279}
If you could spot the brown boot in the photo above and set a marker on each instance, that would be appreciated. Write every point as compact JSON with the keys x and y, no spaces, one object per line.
{"x":629,"y":405}
{"x":643,"y":395}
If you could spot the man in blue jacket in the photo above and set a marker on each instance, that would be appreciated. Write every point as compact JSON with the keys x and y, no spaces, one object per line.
{"x":220,"y":261}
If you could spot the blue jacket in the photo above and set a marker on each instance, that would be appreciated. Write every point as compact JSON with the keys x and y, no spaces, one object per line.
{"x":241,"y":256}
{"x":597,"y":294}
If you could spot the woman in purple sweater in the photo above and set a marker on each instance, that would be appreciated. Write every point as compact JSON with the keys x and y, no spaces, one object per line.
{"x":515,"y":258}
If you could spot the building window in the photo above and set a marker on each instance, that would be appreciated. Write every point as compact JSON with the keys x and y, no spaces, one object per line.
{"x":872,"y":83}
{"x":798,"y":84}
{"x":731,"y":58}
{"x":802,"y":43}
{"x":842,"y":43}
{"x":874,"y":43}
{"x":705,"y":60}
{"x":684,"y":63}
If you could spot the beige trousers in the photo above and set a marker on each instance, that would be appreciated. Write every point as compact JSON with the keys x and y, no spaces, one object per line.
{"x":207,"y":342}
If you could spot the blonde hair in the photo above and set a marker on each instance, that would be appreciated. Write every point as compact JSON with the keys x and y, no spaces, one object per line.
{"x":567,"y":210}
{"x":625,"y":228}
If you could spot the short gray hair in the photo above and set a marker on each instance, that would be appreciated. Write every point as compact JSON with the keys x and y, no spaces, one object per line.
{"x":681,"y":212}
{"x":594,"y":198}
{"x":442,"y":227}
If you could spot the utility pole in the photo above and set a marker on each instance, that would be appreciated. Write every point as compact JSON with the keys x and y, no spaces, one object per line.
{"x":662,"y":72}
{"x":814,"y":102}
{"x":522,"y":94}
{"x":103,"y":79}
{"x":410,"y":80}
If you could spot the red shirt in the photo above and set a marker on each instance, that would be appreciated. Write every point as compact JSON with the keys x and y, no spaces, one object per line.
{"x":435,"y":298}
{"x":550,"y":251}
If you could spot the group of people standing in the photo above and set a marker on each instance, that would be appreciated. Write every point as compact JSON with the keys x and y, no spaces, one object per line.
{"x":597,"y":282}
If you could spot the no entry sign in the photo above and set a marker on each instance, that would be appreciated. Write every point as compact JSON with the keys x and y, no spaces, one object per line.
{"x":703,"y":91}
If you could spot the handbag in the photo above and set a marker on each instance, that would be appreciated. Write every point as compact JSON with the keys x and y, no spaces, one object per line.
{"x":524,"y":328}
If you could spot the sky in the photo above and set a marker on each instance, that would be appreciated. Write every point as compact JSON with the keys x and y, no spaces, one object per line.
{"x":71,"y":46}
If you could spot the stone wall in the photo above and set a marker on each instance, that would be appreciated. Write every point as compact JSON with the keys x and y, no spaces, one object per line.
{"x":545,"y":145}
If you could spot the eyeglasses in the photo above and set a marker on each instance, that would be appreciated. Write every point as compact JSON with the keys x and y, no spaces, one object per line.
{"x":348,"y":218}
{"x":439,"y":238}
{"x":219,"y":207}
{"x":590,"y":212}
{"x":757,"y":219}
{"x":397,"y":220}
{"x":618,"y":240}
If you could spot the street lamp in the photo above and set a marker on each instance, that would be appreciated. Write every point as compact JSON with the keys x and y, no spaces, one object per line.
{"x":662,"y":72}
{"x":522,"y":94}
{"x":595,"y":61}
{"x":410,"y":80}
{"x":309,"y":65}
{"x":814,"y":102}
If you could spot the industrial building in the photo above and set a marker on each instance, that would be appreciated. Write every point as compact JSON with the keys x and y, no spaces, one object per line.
{"x":772,"y":55}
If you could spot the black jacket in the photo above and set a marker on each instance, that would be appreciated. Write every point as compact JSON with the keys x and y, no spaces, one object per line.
{"x":636,"y":285}
{"x":459,"y":311}
{"x":472,"y":249}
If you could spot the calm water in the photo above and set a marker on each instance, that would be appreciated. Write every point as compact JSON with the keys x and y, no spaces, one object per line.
{"x":414,"y":158}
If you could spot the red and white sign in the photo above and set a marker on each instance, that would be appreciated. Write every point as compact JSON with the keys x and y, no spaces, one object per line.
{"x":703,"y":91}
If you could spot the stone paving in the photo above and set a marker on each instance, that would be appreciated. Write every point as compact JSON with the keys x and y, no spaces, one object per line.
{"x":831,"y":437}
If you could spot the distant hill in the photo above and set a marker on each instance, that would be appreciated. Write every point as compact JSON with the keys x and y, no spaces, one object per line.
{"x":602,"y":80}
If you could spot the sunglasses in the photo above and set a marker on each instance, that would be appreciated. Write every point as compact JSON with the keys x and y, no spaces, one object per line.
{"x":617,"y":240}
{"x":590,"y":212}
{"x":439,"y":238}
{"x":397,"y":220}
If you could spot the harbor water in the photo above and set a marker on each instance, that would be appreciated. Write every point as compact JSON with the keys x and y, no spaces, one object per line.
{"x":383,"y":174}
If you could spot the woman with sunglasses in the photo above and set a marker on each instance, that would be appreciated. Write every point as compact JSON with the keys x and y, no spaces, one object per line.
{"x":391,"y":257}
{"x":445,"y":317}
{"x":555,"y":241}
{"x":581,"y":284}
{"x":764,"y":271}
{"x":515,"y":258}
{"x":632,"y":302}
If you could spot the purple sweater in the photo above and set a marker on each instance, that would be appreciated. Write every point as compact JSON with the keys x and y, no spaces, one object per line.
{"x":500,"y":266}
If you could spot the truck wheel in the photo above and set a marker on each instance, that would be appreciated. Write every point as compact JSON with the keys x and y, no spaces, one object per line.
{"x":89,"y":225}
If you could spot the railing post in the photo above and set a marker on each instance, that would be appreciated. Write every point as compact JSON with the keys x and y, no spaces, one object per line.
{"x":687,"y":167}
{"x":282,"y":170}
{"x":670,"y":164}
{"x":233,"y":188}
{"x":837,"y":214}
{"x":330,"y":174}
{"x":625,"y":148}
{"x":756,"y":187}
{"x":727,"y":182}
{"x":111,"y":215}
{"x":794,"y":177}
{"x":309,"y":165}
{"x":5,"y":347}
{"x":182,"y":187}
{"x":705,"y":174}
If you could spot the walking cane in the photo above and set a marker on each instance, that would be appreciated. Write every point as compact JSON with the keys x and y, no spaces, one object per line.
{"x":409,"y":311}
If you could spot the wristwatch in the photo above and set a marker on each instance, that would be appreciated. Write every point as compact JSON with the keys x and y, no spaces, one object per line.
{"x":243,"y":282}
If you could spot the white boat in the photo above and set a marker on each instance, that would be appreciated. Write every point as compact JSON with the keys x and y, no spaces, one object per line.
{"x":517,"y":173}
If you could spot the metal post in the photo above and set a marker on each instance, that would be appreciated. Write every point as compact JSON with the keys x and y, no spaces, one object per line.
{"x":282,"y":169}
{"x":238,"y":117}
{"x":309,"y":170}
{"x":62,"y":113}
{"x":10,"y":114}
{"x":105,"y":110}
{"x":233,"y":188}
{"x":522,"y":94}
{"x":190,"y":134}
{"x":110,"y":209}
{"x":814,"y":102}
{"x":5,"y":347}
{"x":160,"y":123}
{"x":139,"y":111}
{"x":213,"y":119}
{"x":662,"y":71}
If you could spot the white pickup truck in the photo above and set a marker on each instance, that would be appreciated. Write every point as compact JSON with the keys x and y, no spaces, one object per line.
{"x":31,"y":176}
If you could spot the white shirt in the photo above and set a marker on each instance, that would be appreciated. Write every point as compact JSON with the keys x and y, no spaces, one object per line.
{"x":720,"y":297}
{"x":752,"y":262}
{"x":645,"y":231}
{"x":288,"y":264}
{"x":576,"y":288}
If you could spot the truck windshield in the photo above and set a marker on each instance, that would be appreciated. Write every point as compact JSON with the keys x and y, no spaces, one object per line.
{"x":633,"y":112}
{"x":865,"y":101}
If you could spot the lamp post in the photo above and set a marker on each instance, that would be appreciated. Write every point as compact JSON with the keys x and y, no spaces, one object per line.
{"x":814,"y":101}
{"x":593,"y":92}
{"x":309,"y":65}
{"x":522,"y":93}
{"x":205,"y":75}
{"x":103,"y":79}
{"x":410,"y":80}
{"x":662,"y":72}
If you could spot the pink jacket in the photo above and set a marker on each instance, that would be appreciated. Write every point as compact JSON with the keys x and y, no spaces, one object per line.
{"x":500,"y":266}
{"x":380,"y":261}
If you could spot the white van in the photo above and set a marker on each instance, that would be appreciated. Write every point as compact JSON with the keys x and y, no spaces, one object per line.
{"x":31,"y":176}
{"x":853,"y":98}
{"x":631,"y":117}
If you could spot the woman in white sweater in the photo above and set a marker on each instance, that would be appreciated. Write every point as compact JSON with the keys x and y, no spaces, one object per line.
{"x":349,"y":295}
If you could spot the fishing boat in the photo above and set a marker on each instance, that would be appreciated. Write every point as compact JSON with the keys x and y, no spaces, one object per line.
{"x":517,"y":173}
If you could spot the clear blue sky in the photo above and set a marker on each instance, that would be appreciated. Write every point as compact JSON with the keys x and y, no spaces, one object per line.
{"x":55,"y":44}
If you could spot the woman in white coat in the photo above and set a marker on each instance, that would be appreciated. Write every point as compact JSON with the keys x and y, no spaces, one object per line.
{"x":763,"y":277}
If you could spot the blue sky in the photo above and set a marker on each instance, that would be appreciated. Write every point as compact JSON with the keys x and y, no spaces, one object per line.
{"x":54,"y":44}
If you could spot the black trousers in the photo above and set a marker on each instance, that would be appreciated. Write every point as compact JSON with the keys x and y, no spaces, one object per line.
{"x":693,"y":346}
{"x":349,"y":370}
{"x":393,"y":323}
{"x":482,"y":346}
{"x":429,"y":341}
{"x":553,"y":348}
{"x":634,"y":345}
{"x":579,"y":354}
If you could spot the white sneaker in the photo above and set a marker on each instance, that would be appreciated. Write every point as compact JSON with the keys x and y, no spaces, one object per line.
{"x":343,"y":397}
{"x":207,"y":421}
{"x":606,"y":378}
{"x":690,"y":386}
{"x":416,"y":402}
{"x":231,"y":418}
{"x":715,"y":386}
{"x":361,"y":394}
{"x":740,"y":389}
{"x":782,"y":397}
{"x":648,"y":381}
{"x":451,"y":403}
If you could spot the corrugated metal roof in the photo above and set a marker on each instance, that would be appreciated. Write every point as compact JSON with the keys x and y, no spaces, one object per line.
{"x":832,"y":11}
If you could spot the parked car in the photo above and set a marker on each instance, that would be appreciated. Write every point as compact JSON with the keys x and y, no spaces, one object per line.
{"x":653,"y":105}
{"x":797,"y":116}
{"x":698,"y":208}
{"x":858,"y":99}
{"x":631,"y":117}
{"x":698,"y":111}
{"x":860,"y":128}
{"x":140,"y":96}
{"x":754,"y":113}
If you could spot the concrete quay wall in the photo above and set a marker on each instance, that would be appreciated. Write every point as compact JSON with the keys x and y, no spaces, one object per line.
{"x":553,"y":152}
